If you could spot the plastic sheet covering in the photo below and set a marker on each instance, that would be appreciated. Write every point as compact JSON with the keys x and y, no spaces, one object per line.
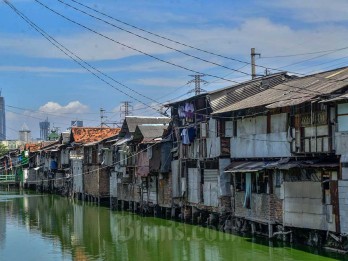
{"x":247,"y":198}
{"x":166,"y":157}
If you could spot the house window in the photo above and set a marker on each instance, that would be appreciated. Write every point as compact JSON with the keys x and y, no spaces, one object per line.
{"x":326,"y":188}
{"x":259,"y":183}
{"x":268,"y":123}
{"x":94,"y":155}
{"x":221,"y":128}
{"x":239,"y":182}
{"x":234,"y":128}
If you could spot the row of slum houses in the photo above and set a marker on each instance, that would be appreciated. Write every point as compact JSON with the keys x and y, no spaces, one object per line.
{"x":267,"y":156}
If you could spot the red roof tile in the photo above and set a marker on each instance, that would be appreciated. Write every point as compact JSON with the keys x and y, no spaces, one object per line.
{"x":90,"y":134}
{"x":32,"y":147}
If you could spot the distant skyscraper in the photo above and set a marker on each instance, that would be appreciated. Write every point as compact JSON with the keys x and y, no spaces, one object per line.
{"x":76,"y":123}
{"x":2,"y":118}
{"x":44,"y":129}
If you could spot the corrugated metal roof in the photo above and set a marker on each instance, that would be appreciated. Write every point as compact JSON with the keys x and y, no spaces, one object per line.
{"x":169,"y":104}
{"x":337,"y":98}
{"x":131,"y":122}
{"x":222,"y":98}
{"x":245,"y":166}
{"x":65,"y":136}
{"x":122,"y":141}
{"x":294,"y":92}
{"x":90,"y":134}
{"x":150,"y":131}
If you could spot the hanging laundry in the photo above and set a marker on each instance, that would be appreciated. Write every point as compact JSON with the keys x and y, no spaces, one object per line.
{"x":181,"y":112}
{"x":189,"y":111}
{"x":185,"y":137}
{"x":191,"y":134}
{"x":247,"y":198}
{"x":189,"y":107}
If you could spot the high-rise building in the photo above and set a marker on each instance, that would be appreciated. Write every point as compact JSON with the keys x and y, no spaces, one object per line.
{"x":44,"y":129}
{"x":24,"y":134}
{"x":76,"y":123}
{"x":2,"y":118}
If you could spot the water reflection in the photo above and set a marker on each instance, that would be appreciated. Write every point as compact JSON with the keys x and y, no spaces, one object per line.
{"x":54,"y":228}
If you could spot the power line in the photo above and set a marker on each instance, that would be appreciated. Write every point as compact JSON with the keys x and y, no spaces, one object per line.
{"x":190,"y":46}
{"x":77,"y":59}
{"x":43,"y":33}
{"x":152,"y":55}
{"x":45,"y":113}
{"x":306,"y":60}
{"x":159,"y":36}
{"x":302,"y":54}
{"x":127,"y":46}
{"x":152,"y":41}
{"x":251,"y":63}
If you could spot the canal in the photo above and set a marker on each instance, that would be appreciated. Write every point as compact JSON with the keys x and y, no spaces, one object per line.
{"x":48,"y":227}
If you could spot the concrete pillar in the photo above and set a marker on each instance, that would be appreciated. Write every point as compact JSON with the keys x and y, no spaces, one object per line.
{"x":253,"y":228}
{"x":270,"y":230}
{"x":172,"y":213}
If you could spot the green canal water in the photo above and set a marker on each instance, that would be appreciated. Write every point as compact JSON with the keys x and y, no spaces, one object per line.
{"x":48,"y":227}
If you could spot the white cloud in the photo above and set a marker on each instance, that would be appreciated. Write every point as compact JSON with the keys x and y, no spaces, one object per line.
{"x":57,"y":114}
{"x":74,"y":107}
{"x":266,"y":36}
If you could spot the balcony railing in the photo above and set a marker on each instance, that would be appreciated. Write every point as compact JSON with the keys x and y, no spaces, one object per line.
{"x":7,"y":178}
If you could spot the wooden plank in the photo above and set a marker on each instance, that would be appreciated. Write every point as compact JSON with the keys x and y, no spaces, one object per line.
{"x":334,"y":202}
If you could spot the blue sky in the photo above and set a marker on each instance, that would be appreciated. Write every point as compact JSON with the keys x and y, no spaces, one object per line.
{"x":39,"y":81}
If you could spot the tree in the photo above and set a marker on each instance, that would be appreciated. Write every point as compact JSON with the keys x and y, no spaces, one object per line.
{"x":3,"y":149}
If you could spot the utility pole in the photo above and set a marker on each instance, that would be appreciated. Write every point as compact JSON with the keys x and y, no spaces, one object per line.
{"x":125,"y":109}
{"x":102,"y":117}
{"x":197,"y":80}
{"x":253,"y":69}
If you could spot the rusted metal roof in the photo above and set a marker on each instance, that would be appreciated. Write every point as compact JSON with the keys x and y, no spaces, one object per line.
{"x":295,"y":91}
{"x":222,"y":98}
{"x":91,"y":134}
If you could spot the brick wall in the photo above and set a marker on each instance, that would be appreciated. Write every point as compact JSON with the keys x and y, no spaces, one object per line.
{"x":59,"y":180}
{"x":276,"y":209}
{"x":104,"y":182}
{"x":165,"y":190}
{"x":96,"y":181}
{"x":260,"y":206}
{"x":225,"y":204}
{"x":90,"y":180}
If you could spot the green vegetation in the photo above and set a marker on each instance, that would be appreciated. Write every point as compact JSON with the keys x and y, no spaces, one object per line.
{"x":3,"y":150}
